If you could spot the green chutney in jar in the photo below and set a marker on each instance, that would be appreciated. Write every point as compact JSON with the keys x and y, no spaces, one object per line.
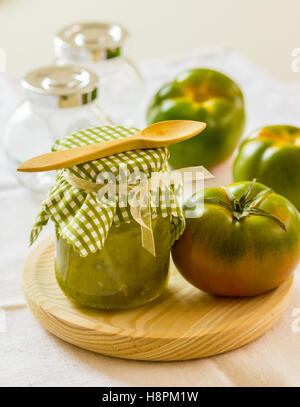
{"x":100,"y":258}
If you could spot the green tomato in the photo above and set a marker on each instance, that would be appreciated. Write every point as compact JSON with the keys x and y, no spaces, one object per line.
{"x":272,"y":155}
{"x":244,"y":243}
{"x":208,"y":96}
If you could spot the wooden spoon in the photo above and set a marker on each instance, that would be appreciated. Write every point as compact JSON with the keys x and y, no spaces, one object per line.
{"x":157,"y":135}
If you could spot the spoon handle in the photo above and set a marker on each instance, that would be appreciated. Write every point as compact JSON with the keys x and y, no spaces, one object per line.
{"x":80,"y":155}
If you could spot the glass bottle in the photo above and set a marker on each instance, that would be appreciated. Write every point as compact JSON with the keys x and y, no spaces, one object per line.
{"x":58,"y":101}
{"x":100,"y":47}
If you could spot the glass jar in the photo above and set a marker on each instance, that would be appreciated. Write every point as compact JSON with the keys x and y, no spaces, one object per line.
{"x":122,"y":275}
{"x":100,"y":47}
{"x":110,"y":256}
{"x":59,"y":101}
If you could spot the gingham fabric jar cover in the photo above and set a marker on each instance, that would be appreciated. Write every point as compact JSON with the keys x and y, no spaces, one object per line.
{"x":77,"y":214}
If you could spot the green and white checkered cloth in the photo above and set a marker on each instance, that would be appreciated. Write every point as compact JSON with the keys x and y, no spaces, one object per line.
{"x":76,"y":213}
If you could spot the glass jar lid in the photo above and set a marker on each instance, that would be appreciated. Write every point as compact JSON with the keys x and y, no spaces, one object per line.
{"x":61,"y":86}
{"x":92,"y":41}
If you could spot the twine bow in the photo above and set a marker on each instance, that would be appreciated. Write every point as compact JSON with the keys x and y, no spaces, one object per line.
{"x":139,"y":200}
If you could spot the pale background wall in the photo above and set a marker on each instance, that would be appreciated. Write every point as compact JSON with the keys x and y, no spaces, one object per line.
{"x":265,"y":30}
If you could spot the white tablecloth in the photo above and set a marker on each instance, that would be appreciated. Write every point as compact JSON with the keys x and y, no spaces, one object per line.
{"x":32,"y":357}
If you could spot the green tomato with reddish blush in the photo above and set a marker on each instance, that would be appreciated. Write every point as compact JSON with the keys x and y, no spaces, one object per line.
{"x":245,"y":242}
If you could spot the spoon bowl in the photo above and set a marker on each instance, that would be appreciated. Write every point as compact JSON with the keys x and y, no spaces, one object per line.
{"x":171,"y":131}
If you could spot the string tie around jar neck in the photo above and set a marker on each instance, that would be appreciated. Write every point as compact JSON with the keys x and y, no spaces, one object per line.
{"x":139,"y":200}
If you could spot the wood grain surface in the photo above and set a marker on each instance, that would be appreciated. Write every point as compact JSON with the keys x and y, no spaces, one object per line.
{"x":182,"y":324}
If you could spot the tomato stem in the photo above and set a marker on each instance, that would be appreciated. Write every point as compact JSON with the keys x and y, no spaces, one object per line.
{"x":238,"y":207}
{"x":245,"y":206}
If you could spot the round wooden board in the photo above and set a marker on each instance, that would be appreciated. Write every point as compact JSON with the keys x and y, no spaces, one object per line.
{"x":184,"y":323}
